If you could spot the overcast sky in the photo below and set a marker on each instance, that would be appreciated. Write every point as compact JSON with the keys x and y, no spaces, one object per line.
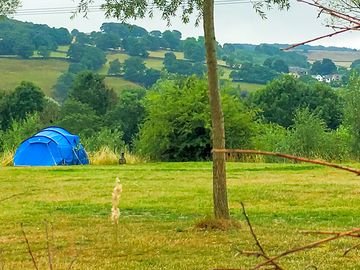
{"x":234,"y":23}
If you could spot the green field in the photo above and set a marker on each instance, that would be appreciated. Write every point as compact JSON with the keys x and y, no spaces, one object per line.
{"x":119,"y":84}
{"x":159,"y":207}
{"x":43,"y":73}
{"x":161,"y":54}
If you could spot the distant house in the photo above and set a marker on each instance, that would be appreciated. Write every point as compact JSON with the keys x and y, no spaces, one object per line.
{"x":327,"y":78}
{"x":298,"y":71}
{"x":319,"y":78}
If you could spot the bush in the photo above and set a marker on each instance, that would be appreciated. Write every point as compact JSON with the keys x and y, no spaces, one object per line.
{"x":108,"y":138}
{"x":19,"y":131}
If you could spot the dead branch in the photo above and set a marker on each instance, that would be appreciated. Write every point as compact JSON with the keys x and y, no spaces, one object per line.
{"x":28,"y":246}
{"x":321,"y":37}
{"x":354,"y":21}
{"x":257,"y":242}
{"x":355,"y":235}
{"x":266,"y":153}
{"x":333,"y":12}
{"x":48,"y":245}
{"x":308,"y":246}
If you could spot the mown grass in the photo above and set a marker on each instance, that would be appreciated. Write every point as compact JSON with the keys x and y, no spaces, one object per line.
{"x":160,"y":205}
{"x":43,"y":73}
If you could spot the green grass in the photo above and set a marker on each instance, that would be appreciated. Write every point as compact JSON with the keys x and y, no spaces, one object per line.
{"x":161,"y":54}
{"x":160,"y":205}
{"x":119,"y":84}
{"x":248,"y":86}
{"x":43,"y":73}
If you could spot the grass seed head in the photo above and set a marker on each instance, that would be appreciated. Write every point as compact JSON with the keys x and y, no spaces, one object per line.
{"x":115,"y":212}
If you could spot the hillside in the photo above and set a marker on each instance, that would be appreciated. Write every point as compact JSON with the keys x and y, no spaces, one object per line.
{"x":340,"y":58}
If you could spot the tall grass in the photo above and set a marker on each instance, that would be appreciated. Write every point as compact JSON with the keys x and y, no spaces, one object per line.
{"x":7,"y":158}
{"x":106,"y":156}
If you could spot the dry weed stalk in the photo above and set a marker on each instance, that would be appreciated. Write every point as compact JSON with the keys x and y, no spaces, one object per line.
{"x":50,"y":258}
{"x":115,"y":212}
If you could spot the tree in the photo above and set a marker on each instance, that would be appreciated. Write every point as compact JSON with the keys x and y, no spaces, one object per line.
{"x":323,"y":67}
{"x":124,"y":10}
{"x":128,"y":114}
{"x":177,"y":126}
{"x":352,"y":112}
{"x":62,"y":86}
{"x":78,"y":117}
{"x":194,"y":49}
{"x":172,"y":39}
{"x":8,"y":6}
{"x":89,"y":88}
{"x":281,"y":98}
{"x":134,"y":69}
{"x":91,"y":57}
{"x":27,"y":98}
{"x":44,"y":52}
{"x":115,"y":67}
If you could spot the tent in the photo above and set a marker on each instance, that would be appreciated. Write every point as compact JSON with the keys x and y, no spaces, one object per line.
{"x":50,"y":147}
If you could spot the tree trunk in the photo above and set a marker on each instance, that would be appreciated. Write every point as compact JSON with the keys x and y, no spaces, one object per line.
{"x":221,"y":208}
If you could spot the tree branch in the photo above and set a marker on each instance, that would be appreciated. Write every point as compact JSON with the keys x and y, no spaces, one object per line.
{"x":262,"y":251}
{"x":28,"y":246}
{"x":308,"y":246}
{"x":266,"y":153}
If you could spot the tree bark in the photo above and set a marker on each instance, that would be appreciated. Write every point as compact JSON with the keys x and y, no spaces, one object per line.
{"x":221,"y":208}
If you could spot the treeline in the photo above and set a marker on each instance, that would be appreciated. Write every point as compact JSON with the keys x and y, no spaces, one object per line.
{"x":171,"y":122}
{"x":22,"y":39}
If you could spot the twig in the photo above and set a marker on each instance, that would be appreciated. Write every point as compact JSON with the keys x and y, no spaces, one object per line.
{"x":48,"y":245}
{"x":308,"y":246}
{"x":251,"y":229}
{"x":332,"y":12}
{"x":28,"y":246}
{"x":321,"y":37}
{"x":262,"y":251}
{"x":350,"y":249}
{"x":266,"y":153}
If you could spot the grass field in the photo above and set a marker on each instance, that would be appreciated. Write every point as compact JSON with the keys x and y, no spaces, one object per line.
{"x":43,"y":73}
{"x":161,"y":54}
{"x":160,"y":205}
{"x":119,"y":84}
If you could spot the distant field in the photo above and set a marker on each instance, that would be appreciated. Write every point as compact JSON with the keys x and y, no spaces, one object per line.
{"x":43,"y":73}
{"x":339,"y":58}
{"x":161,"y":54}
{"x":149,"y":62}
{"x":248,"y":86}
{"x":159,"y":207}
{"x":119,"y":84}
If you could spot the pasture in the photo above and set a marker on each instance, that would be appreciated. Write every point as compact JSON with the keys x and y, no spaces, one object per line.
{"x":43,"y":73}
{"x":159,"y":207}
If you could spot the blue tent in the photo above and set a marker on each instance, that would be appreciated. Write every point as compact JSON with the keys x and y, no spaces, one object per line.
{"x":50,"y":147}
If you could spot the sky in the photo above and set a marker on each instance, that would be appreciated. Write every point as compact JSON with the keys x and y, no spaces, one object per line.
{"x":234,"y":23}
